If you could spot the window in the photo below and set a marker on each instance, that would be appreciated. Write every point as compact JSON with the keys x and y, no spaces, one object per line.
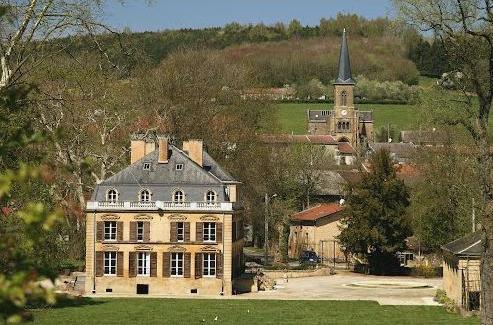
{"x":142,"y":289}
{"x":343,"y":98}
{"x":179,"y":166}
{"x":112,"y":196}
{"x":145,"y":196}
{"x":178,"y":197}
{"x":209,"y":264}
{"x":143,"y":263}
{"x":177,"y":264}
{"x":146,"y":166}
{"x":180,"y":232}
{"x":140,"y":231}
{"x":110,"y":230}
{"x":109,"y":263}
{"x":209,"y":231}
{"x":210,"y":197}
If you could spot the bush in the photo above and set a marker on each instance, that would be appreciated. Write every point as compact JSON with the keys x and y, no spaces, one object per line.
{"x":448,"y":304}
{"x":425,"y":270}
{"x":386,"y":91}
{"x":71,"y":265}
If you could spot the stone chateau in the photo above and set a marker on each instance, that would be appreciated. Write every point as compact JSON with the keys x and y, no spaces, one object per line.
{"x":169,"y":223}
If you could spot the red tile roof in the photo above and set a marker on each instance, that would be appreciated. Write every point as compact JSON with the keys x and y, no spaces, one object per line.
{"x":318,"y":211}
{"x":306,"y":138}
{"x":6,"y":211}
{"x":345,"y":147}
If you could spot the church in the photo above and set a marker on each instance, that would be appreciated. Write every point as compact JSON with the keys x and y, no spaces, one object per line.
{"x":345,"y":122}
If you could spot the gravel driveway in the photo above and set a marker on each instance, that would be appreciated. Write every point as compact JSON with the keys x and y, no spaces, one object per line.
{"x":336,"y":287}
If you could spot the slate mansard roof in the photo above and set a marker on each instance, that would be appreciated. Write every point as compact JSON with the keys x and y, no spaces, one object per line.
{"x":163,"y":179}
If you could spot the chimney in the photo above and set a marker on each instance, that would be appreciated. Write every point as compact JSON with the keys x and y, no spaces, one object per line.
{"x":163,"y":150}
{"x":140,"y":145}
{"x":195,"y":150}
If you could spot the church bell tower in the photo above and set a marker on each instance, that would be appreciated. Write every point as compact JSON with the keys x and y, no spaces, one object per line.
{"x":345,"y":118}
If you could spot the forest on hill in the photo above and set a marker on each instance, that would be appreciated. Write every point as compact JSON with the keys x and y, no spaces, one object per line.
{"x":279,"y":54}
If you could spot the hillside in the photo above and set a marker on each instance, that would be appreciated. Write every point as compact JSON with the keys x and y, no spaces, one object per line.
{"x":298,"y":60}
{"x":381,"y":49}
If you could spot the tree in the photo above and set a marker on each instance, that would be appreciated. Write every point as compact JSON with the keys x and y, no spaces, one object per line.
{"x":465,"y":28}
{"x":443,"y":198}
{"x":197,"y":94}
{"x":310,"y":90}
{"x":376,"y":223}
{"x":309,"y":163}
{"x":28,"y":29}
{"x":86,"y":113}
{"x":25,"y":227}
{"x":294,"y":28}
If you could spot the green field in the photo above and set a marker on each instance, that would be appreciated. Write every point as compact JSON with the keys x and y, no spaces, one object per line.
{"x":293,"y":116}
{"x":195,"y":311}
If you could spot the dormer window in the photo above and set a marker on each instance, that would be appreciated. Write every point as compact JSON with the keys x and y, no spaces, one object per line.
{"x":112,"y":196}
{"x":145,"y":196}
{"x":146,"y":166}
{"x":179,"y":166}
{"x":210,"y":197}
{"x":178,"y":197}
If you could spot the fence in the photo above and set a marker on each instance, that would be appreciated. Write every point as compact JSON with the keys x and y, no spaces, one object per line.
{"x":471,"y":289}
{"x":329,"y":251}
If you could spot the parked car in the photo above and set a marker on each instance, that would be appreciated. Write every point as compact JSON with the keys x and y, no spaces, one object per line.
{"x":309,"y":257}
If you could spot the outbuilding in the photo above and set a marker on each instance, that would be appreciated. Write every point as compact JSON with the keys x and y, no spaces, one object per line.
{"x":461,"y":271}
{"x":317,"y":229}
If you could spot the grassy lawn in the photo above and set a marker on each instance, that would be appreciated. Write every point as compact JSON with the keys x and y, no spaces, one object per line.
{"x":293,"y":116}
{"x":175,"y":311}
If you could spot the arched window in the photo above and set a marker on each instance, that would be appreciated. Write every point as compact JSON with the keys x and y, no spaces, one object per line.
{"x":112,"y":196}
{"x":178,"y":197}
{"x":210,"y":197}
{"x":343,"y":98}
{"x":145,"y":196}
{"x":347,"y":125}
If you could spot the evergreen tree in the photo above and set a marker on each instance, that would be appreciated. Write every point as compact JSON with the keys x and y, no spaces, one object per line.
{"x":377,"y":223}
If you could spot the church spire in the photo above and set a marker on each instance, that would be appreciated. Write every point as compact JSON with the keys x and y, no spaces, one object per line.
{"x":345,"y":77}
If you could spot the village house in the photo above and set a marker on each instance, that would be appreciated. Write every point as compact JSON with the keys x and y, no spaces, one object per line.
{"x":169,"y":223}
{"x":342,"y":152}
{"x":316,"y":229}
{"x":461,"y":271}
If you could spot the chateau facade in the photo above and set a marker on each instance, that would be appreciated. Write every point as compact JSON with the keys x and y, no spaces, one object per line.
{"x":345,"y":122}
{"x":169,"y":223}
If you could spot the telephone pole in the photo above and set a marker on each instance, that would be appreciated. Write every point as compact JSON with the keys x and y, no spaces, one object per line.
{"x":473,"y":217}
{"x":266,"y":227}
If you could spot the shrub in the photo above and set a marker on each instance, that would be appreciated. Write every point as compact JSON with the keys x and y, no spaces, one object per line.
{"x":71,"y":264}
{"x":425,"y":270}
{"x":385,"y":91}
{"x":448,"y":304}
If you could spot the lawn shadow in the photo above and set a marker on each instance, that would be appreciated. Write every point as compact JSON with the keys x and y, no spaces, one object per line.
{"x":65,"y":301}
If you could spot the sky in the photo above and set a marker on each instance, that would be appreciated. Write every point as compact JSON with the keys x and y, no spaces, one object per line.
{"x":138,"y":15}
